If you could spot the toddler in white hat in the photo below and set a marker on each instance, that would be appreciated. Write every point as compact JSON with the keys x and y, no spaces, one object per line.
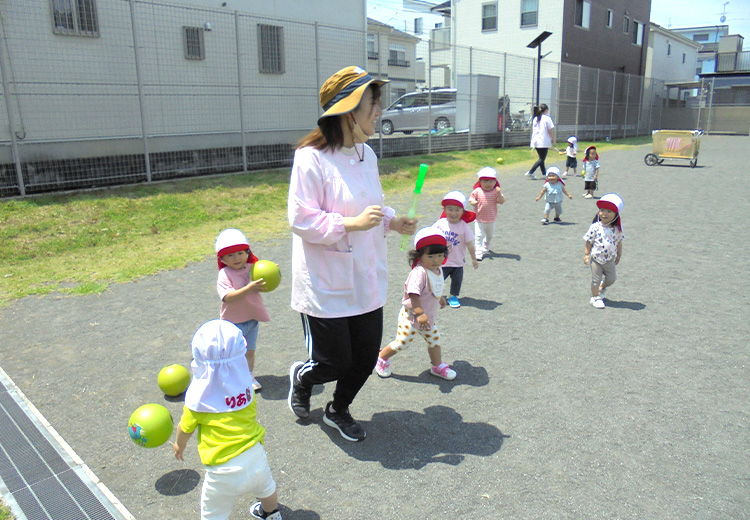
{"x":604,"y":246}
{"x":220,"y":403}
{"x":454,"y":223}
{"x":423,"y":295}
{"x":241,"y":302}
{"x":485,"y":198}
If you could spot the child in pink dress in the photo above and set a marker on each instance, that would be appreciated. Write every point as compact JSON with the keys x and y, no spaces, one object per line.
{"x":422,"y":297}
{"x":485,"y":198}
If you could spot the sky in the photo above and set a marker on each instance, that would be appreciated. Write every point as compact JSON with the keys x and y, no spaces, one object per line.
{"x":667,"y":13}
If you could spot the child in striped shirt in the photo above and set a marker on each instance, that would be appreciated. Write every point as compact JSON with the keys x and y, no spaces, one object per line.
{"x":485,"y":197}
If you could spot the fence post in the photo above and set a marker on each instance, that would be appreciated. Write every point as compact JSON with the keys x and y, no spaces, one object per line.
{"x":627,"y":102}
{"x":241,"y":88}
{"x":612,"y":105}
{"x":578,"y":98}
{"x":11,"y":123}
{"x":317,"y":67}
{"x":596,"y":103}
{"x":710,"y":105}
{"x":471,"y":84}
{"x":429,"y":86}
{"x":701,"y":102}
{"x":141,"y":101}
{"x":380,"y":121}
{"x":506,"y":109}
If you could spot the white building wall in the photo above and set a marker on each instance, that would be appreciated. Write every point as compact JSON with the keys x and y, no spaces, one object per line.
{"x":66,"y":87}
{"x":510,"y":37}
{"x":665,"y":58}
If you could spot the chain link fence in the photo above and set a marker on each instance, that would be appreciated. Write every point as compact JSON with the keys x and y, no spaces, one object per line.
{"x":156,"y":91}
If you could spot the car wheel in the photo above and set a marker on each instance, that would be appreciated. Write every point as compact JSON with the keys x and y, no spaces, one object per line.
{"x":386,"y":127}
{"x":651,"y":159}
{"x":442,"y":123}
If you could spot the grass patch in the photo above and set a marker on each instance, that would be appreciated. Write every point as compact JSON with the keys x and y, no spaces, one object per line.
{"x":5,"y":513}
{"x":80,"y":243}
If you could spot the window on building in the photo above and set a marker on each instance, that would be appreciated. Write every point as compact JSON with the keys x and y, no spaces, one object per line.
{"x":397,"y":56}
{"x":625,"y":24}
{"x":583,"y":13}
{"x":669,"y":49}
{"x":77,"y":17}
{"x":700,"y":37}
{"x":372,"y":48}
{"x":683,"y":57}
{"x":489,"y":16}
{"x":529,"y":12}
{"x":638,"y":28}
{"x":271,"y":49}
{"x":610,"y":18}
{"x":418,"y":25}
{"x":192,"y":39}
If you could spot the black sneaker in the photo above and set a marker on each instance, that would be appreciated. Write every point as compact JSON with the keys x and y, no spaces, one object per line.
{"x":256,"y":511}
{"x":299,"y":396}
{"x":344,"y":423}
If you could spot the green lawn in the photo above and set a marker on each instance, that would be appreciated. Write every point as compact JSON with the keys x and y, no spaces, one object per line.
{"x":5,"y":513}
{"x":81,"y":243}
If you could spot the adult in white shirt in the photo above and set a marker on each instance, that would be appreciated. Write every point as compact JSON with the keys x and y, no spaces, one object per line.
{"x":339,"y":269}
{"x":542,"y":138}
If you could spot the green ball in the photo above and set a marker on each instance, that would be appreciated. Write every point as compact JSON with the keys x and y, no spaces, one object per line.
{"x":150,"y":425}
{"x":270,"y":273}
{"x":173,"y":379}
{"x":499,"y":160}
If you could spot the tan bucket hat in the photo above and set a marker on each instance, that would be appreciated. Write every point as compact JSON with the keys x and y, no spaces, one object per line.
{"x":342,"y":92}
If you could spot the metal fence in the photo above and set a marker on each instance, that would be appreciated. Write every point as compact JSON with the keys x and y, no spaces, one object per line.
{"x":167,"y":91}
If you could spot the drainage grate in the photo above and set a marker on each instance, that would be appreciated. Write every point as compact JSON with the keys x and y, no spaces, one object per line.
{"x":37,"y":477}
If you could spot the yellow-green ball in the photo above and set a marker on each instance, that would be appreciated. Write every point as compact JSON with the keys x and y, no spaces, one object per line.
{"x":150,"y":425}
{"x":173,"y":379}
{"x":270,"y":273}
{"x":499,"y":160}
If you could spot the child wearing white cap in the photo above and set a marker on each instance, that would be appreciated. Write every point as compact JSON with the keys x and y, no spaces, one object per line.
{"x":454,"y":223}
{"x":485,"y":198}
{"x":570,"y":152}
{"x":241,"y":302}
{"x":422,"y":297}
{"x":220,"y":404}
{"x":604,"y":246}
{"x":553,"y":191}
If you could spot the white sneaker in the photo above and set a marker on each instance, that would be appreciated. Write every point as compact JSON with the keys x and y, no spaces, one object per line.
{"x":588,"y":196}
{"x":597,"y":302}
{"x":530,"y":176}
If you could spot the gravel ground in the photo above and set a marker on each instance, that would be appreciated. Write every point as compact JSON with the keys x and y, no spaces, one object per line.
{"x":637,"y":411}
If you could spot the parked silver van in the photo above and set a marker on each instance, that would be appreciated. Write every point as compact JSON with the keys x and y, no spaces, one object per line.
{"x":413,"y":112}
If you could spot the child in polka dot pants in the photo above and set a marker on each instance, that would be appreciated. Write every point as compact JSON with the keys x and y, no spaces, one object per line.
{"x":422,"y":298}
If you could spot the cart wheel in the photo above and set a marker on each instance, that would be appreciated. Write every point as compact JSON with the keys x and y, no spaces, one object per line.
{"x":693,"y":162}
{"x":651,"y":159}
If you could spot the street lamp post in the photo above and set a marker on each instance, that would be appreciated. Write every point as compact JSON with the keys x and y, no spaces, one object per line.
{"x":537,"y":43}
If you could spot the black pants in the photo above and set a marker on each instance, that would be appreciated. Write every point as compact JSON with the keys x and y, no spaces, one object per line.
{"x":343,"y":350}
{"x":456,"y":275}
{"x":542,"y":153}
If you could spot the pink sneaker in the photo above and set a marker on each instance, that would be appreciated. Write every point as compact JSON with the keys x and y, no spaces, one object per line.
{"x":444,"y":371}
{"x":383,"y":367}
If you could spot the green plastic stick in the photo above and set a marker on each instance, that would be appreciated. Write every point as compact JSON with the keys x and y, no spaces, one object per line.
{"x":414,"y":199}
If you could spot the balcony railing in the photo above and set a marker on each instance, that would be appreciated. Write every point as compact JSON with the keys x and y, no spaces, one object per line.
{"x":372,"y":55}
{"x":397,"y":63}
{"x":733,"y":61}
{"x":440,"y":39}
